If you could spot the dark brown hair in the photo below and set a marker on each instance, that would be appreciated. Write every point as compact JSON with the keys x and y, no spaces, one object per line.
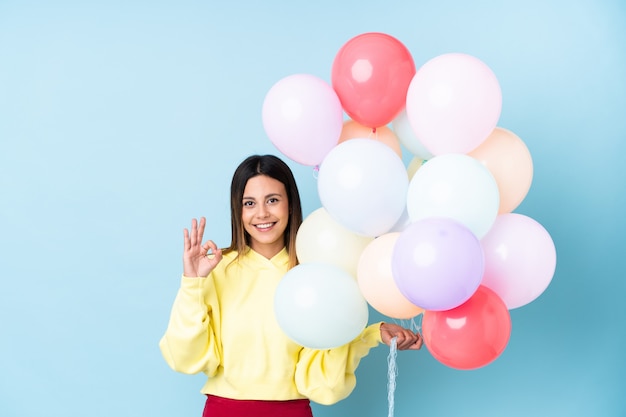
{"x":273,"y":167}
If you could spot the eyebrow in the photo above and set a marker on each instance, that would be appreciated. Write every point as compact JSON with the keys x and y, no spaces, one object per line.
{"x":267,"y":196}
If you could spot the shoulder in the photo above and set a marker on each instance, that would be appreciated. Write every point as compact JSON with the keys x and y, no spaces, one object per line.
{"x":229,"y":255}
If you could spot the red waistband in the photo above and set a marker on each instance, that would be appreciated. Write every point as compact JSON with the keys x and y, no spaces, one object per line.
{"x":226,"y":407}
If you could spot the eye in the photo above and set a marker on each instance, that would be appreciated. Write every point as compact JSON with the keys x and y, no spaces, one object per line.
{"x":248,"y":203}
{"x":272,"y":200}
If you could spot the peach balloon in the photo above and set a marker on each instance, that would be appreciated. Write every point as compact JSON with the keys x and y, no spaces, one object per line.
{"x":376,"y":281}
{"x":508,"y":159}
{"x":353,"y":130}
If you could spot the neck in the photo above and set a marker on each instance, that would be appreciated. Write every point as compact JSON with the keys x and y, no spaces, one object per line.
{"x":268,"y":251}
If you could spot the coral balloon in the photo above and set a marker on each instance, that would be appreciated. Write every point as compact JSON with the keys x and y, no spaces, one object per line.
{"x":371,"y":74}
{"x":453,"y":103}
{"x":302,"y":116}
{"x":354,"y":130}
{"x":455,"y":186}
{"x":471,"y":335}
{"x":321,"y":239}
{"x":520,"y":259}
{"x":363,"y":184}
{"x":375,"y":279}
{"x":507,"y":158}
{"x":437,"y":263}
{"x":320,"y":306}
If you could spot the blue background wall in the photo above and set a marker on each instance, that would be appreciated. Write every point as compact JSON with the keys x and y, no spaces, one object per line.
{"x":121,"y":120}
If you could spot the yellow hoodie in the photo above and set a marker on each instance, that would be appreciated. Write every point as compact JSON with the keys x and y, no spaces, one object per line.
{"x":224,"y":325}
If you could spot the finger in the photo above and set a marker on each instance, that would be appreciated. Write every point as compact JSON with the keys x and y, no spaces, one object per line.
{"x":194,"y":232}
{"x":187,"y":242}
{"x":213,"y":253}
{"x":420,"y":341}
{"x":417,"y":344}
{"x":217,"y":254}
{"x":201,"y":229}
{"x":400,"y":340}
{"x":409,"y":340}
{"x":210,"y":245}
{"x":214,"y":260}
{"x":404,"y":342}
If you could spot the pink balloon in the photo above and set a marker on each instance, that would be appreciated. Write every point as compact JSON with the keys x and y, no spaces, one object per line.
{"x":453,"y":103}
{"x":437,"y":263}
{"x":520,"y":259}
{"x":303,"y":118}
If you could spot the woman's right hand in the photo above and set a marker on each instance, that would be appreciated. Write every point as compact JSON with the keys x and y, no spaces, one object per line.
{"x":199,"y":259}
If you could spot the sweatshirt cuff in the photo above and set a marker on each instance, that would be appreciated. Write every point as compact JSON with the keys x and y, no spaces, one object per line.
{"x":195,"y":285}
{"x":371,"y":334}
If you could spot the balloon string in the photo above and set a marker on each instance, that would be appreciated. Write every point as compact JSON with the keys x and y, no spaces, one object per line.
{"x":392,"y":372}
{"x":416,"y":323}
{"x":392,"y":369}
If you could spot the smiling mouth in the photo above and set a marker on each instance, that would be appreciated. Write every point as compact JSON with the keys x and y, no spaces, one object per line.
{"x":264,"y":226}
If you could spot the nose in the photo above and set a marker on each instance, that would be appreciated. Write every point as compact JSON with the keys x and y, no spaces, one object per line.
{"x":263,"y":211}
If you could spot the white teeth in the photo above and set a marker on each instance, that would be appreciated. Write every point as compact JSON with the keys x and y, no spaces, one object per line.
{"x":264,"y":225}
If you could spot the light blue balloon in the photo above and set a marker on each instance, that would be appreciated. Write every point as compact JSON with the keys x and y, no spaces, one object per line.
{"x":363,"y":184}
{"x":320,"y":306}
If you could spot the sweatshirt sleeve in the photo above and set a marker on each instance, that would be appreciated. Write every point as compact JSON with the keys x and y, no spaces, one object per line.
{"x":327,"y":376}
{"x":189,"y":344}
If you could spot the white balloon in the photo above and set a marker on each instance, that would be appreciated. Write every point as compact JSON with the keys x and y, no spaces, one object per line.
{"x":456,"y":186}
{"x":320,"y":306}
{"x":363,"y":184}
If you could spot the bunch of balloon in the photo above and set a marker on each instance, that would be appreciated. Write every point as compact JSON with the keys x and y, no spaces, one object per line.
{"x":464,"y":256}
{"x":436,"y":238}
{"x":355,"y":159}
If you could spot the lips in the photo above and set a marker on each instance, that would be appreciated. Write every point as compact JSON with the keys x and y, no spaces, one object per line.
{"x":264,"y":226}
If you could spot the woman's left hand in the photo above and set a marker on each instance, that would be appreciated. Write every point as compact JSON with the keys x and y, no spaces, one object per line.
{"x":406,"y":339}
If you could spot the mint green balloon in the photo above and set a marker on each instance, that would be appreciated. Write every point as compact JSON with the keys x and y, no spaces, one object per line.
{"x":455,"y":186}
{"x":320,"y":306}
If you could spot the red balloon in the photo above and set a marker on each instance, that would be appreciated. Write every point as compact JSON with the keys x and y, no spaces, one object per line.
{"x":371,"y":74}
{"x":471,"y":335}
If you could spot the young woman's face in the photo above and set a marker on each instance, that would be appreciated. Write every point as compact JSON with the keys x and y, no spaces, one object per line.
{"x":265,"y":214}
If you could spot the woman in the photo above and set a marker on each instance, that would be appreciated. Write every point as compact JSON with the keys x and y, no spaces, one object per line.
{"x":222,"y":321}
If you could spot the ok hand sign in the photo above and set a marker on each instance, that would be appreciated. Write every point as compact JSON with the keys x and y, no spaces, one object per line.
{"x":199,"y":259}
